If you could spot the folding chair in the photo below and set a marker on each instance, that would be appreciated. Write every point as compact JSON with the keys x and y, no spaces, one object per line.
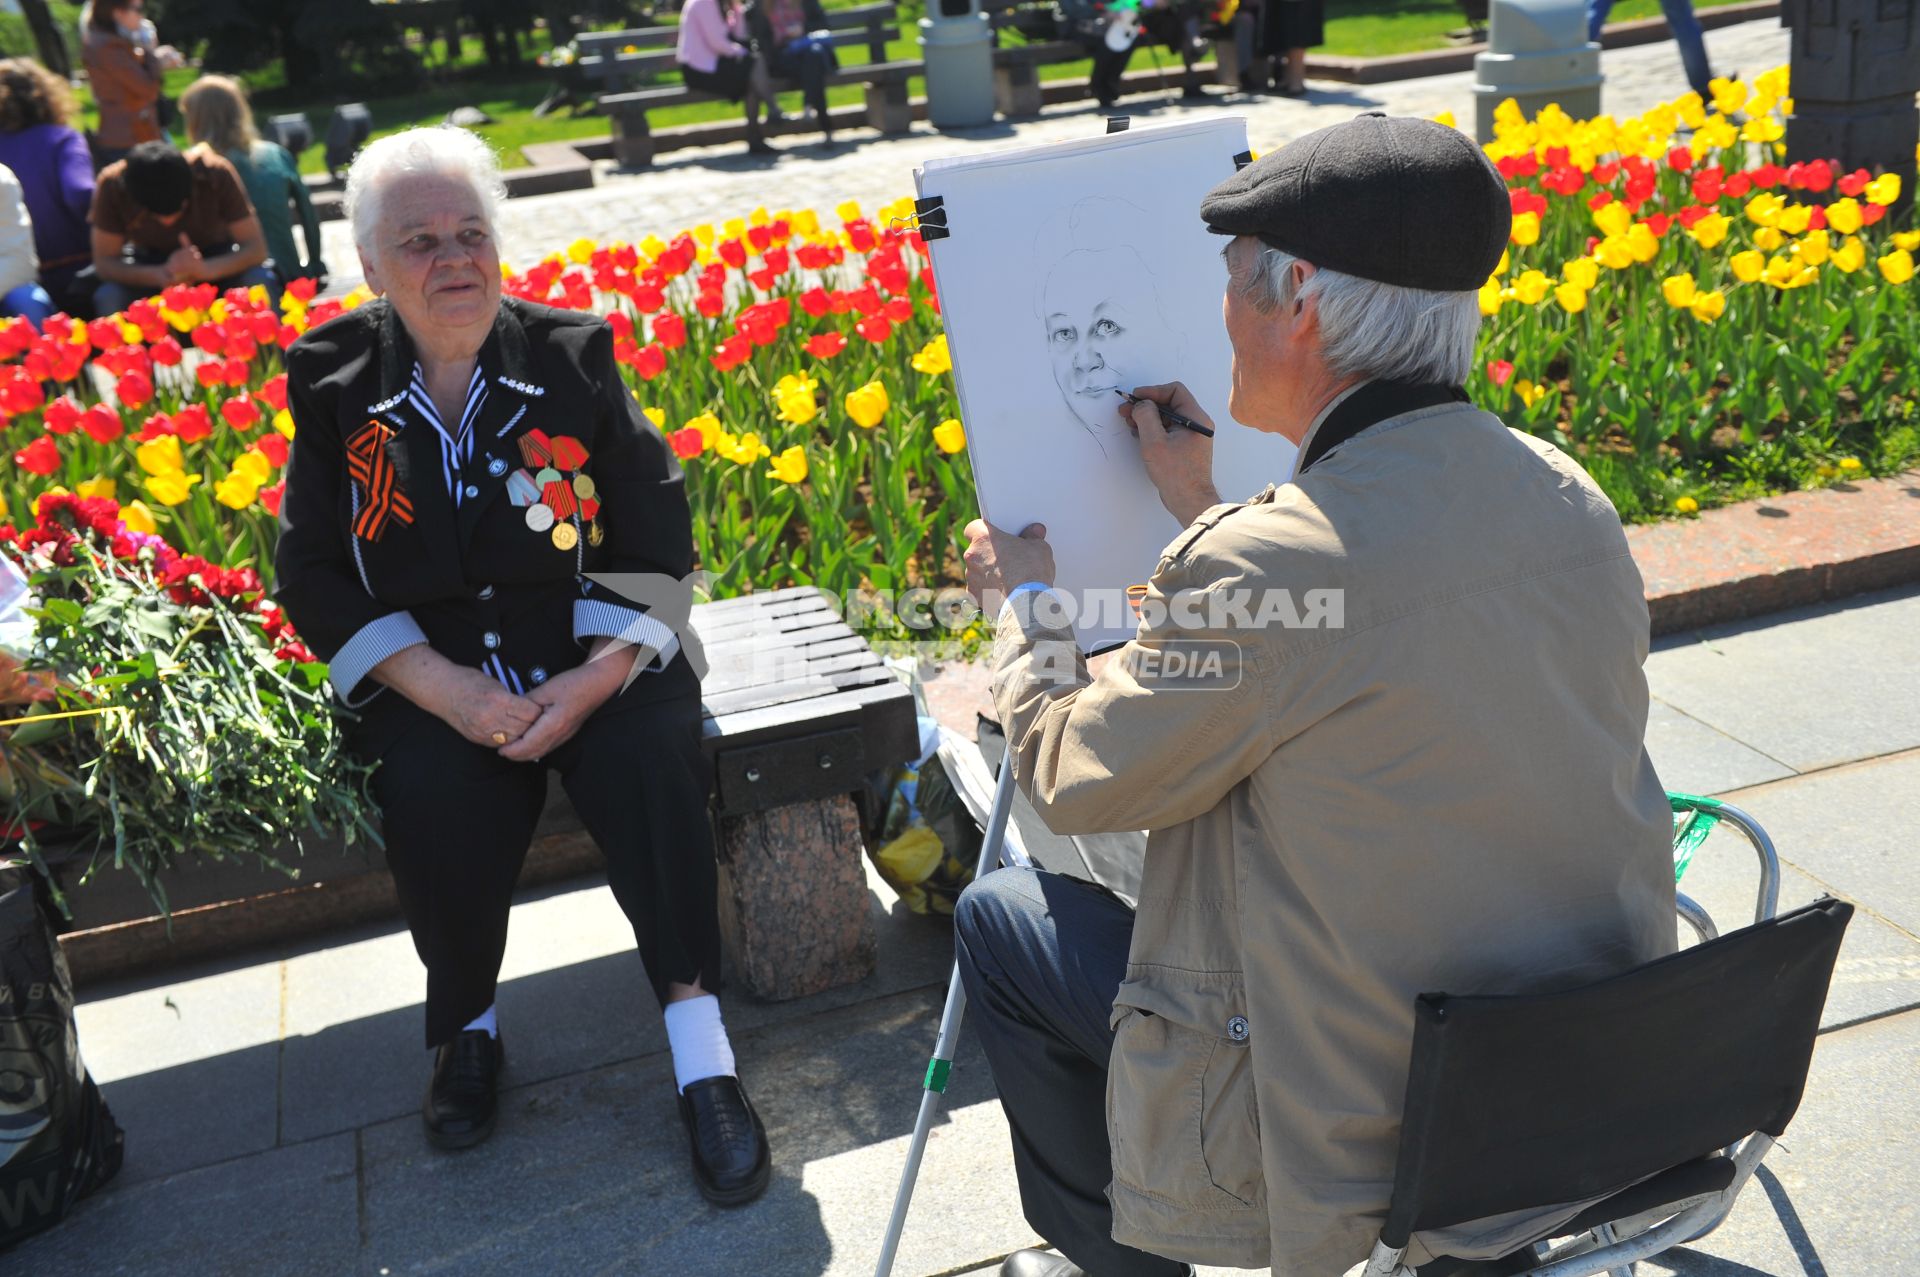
{"x":1658,"y":1090}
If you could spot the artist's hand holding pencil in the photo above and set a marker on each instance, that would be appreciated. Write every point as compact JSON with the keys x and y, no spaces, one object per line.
{"x":1176,"y":446}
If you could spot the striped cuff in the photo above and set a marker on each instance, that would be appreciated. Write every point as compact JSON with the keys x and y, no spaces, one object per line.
{"x":376,"y":641}
{"x":593,"y":618}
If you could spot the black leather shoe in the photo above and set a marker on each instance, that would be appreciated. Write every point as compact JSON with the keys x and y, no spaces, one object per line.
{"x":463,"y":1098}
{"x":1040,"y":1263}
{"x":731,"y":1162}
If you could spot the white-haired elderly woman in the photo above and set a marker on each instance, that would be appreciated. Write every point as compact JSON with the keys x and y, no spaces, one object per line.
{"x":1350,"y":698}
{"x":466,"y":471}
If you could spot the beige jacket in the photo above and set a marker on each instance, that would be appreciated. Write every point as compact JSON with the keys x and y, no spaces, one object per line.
{"x":1447,"y":791}
{"x":126,"y":80}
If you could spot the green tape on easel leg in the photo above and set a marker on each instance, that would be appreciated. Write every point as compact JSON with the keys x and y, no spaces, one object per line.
{"x":937,"y":1070}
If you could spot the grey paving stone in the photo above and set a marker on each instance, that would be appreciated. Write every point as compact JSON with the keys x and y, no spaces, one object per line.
{"x":1811,"y":687}
{"x":1696,"y":759}
{"x":190,"y":1069}
{"x":289,"y":1212}
{"x":715,"y":183}
{"x":1852,"y":829}
{"x":588,"y":1173}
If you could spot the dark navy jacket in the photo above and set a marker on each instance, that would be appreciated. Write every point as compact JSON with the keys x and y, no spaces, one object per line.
{"x":484,"y":587}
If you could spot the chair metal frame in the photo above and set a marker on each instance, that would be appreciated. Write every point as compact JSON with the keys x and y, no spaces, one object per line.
{"x":1614,"y":1247}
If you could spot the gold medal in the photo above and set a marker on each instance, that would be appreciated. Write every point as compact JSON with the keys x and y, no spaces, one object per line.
{"x":539,"y":517}
{"x":595,"y":533}
{"x":583,"y":486}
{"x":564,"y":536}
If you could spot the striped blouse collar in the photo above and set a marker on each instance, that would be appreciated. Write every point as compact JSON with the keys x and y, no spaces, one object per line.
{"x":505,"y":357}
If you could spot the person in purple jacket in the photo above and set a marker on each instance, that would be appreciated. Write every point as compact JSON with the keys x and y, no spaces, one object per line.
{"x":38,"y":142}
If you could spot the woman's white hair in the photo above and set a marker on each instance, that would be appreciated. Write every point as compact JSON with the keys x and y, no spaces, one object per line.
{"x":1373,"y":330}
{"x":443,"y":149}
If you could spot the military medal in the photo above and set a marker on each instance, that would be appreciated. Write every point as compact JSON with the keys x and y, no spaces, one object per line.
{"x":521,"y":488}
{"x":539,"y":517}
{"x":564,"y":536}
{"x":583,"y":486}
{"x":595,"y":533}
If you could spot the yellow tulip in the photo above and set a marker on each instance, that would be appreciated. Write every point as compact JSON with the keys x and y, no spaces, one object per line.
{"x":1884,"y":189}
{"x":1764,"y":208}
{"x":1896,"y":266}
{"x":709,"y":427}
{"x":847,"y":210}
{"x":1572,"y":298}
{"x":131,"y":334}
{"x":1844,"y":216}
{"x":254,"y":466}
{"x":1531,"y":287}
{"x":796,"y":400}
{"x":1526,"y":229}
{"x":1686,"y":505}
{"x":1692,"y":111}
{"x":1763,"y":129}
{"x":950,"y":436}
{"x":1729,"y":96}
{"x":172,"y":487}
{"x":1614,"y":252}
{"x":138,"y":518}
{"x":1445,"y":117}
{"x":806,"y":222}
{"x":1908,"y":240}
{"x":1768,"y":239}
{"x":1678,"y":290}
{"x":1581,"y":272}
{"x":657,"y":416}
{"x":1711,"y":230}
{"x":1850,"y":256}
{"x":703,"y":235}
{"x":1612,"y":218}
{"x":237,"y":491}
{"x":1529,"y":393}
{"x":1491,"y":297}
{"x":653,"y":246}
{"x":1506,"y":259}
{"x":868,"y":404}
{"x":1850,"y":463}
{"x":1642,"y":243}
{"x":95,"y":487}
{"x":1709,"y":306}
{"x":160,"y":456}
{"x":1782,"y":271}
{"x":734,"y":228}
{"x":1747,"y":266}
{"x":790,"y":466}
{"x":580,"y":252}
{"x":933,"y":358}
{"x":1719,"y":132}
{"x":1794,"y":218}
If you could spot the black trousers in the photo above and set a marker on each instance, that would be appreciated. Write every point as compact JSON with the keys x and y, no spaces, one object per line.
{"x":810,"y":64}
{"x":458,"y":819}
{"x":1042,"y":957}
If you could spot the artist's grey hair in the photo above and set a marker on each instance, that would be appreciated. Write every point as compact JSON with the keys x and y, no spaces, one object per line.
{"x":1374,"y":330}
{"x":441,"y":149}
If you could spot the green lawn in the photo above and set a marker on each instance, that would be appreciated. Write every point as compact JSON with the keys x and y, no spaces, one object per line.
{"x":1355,"y":28}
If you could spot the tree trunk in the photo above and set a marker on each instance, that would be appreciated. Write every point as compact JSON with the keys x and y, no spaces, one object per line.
{"x":46,"y":37}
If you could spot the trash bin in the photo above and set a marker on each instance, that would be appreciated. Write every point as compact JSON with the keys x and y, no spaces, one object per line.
{"x":1537,"y":53}
{"x":956,"y":43}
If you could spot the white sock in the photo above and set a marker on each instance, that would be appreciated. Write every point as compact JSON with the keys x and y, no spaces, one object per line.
{"x":486,"y":1020}
{"x":698,"y":1040}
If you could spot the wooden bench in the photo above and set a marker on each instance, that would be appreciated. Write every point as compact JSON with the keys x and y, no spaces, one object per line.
{"x":798,"y":712}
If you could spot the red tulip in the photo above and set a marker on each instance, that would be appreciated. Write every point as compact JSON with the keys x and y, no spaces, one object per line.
{"x":826,"y":345}
{"x":63,"y":414}
{"x":273,"y":446}
{"x":1499,"y":372}
{"x":134,"y":390}
{"x":41,"y":457}
{"x":650,"y":361}
{"x":274,"y":391}
{"x":875,"y":329}
{"x":270,"y":500}
{"x":815,"y":301}
{"x":670,"y":331}
{"x":686,"y":443}
{"x":731,"y":353}
{"x":193,"y":423}
{"x":241,"y":412}
{"x":102,"y":424}
{"x":899,"y":310}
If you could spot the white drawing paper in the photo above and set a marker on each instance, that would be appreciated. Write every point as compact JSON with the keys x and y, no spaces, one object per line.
{"x":1074,"y":270}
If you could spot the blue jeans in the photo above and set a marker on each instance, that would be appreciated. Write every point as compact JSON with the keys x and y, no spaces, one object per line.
{"x":110,"y":297}
{"x":1686,"y":33}
{"x":30,"y":301}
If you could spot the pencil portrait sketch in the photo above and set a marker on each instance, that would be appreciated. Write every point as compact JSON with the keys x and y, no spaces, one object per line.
{"x":1099,"y":300}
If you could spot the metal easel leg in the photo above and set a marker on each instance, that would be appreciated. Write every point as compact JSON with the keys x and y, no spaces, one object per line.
{"x":943,"y":1048}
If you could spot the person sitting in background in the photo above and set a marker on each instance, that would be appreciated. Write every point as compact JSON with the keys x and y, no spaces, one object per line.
{"x":20,"y":291}
{"x":218,"y":118}
{"x":714,"y":58}
{"x":39,"y":143}
{"x":125,"y":67}
{"x":162,"y":218}
{"x":791,"y":34}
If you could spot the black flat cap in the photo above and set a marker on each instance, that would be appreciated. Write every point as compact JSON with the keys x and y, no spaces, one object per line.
{"x":1399,"y":200}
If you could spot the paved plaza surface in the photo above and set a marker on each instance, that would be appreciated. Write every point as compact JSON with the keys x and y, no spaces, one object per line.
{"x":271,"y":1099}
{"x":711,"y":184}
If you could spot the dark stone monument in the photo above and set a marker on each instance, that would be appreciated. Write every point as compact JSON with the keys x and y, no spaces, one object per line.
{"x":1854,"y":71}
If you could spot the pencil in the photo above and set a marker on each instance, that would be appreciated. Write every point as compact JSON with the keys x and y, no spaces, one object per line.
{"x":1168,"y":416}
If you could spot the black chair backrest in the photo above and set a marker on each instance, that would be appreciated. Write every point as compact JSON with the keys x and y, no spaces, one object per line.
{"x":1517,"y":1102}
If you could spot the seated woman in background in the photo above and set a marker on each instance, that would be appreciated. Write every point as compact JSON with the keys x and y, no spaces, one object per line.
{"x":20,"y":291}
{"x":791,"y":35}
{"x":219,"y":119}
{"x":50,"y":158}
{"x":714,"y":58}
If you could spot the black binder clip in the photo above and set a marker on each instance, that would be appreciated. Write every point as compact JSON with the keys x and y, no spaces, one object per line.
{"x":1118,"y":123}
{"x":931,"y":216}
{"x":1241,"y":160}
